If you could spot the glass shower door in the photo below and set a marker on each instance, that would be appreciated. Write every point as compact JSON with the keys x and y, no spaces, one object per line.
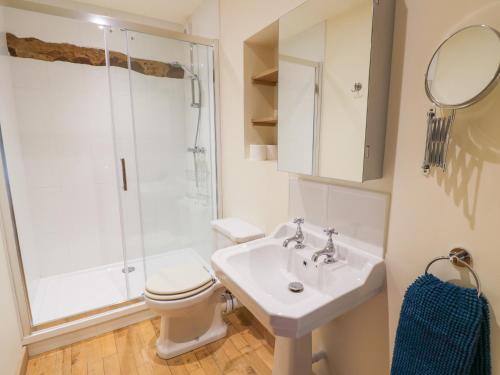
{"x":58,"y":145}
{"x":110,"y":162}
{"x":169,"y":152}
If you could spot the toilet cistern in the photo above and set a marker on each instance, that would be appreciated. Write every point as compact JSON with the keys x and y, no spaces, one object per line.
{"x":299,"y":236}
{"x":329,"y":250}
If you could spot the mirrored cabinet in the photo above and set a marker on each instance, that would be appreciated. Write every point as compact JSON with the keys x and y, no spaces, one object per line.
{"x":334,"y":68}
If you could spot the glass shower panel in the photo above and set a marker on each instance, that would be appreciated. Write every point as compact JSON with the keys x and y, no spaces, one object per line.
{"x":122,"y":114}
{"x":59,"y":150}
{"x":173,"y":122}
{"x":201,"y":195}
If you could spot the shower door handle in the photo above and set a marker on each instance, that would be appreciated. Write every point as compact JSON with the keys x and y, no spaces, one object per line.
{"x":124,"y":174}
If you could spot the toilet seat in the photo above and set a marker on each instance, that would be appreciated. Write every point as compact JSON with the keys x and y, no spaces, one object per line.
{"x":173,"y":297}
{"x":177,"y":283}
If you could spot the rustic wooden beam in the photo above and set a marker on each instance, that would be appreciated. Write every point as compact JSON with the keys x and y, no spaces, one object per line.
{"x":33,"y":48}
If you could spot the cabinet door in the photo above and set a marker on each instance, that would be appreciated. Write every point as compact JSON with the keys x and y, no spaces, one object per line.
{"x":345,"y":93}
{"x":350,"y":44}
{"x":297,"y":114}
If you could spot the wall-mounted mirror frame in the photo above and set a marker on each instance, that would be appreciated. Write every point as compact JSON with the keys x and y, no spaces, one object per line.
{"x":495,"y":76}
{"x":461,"y":73}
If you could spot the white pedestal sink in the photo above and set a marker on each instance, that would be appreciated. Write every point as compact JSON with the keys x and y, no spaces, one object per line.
{"x":259,"y":273}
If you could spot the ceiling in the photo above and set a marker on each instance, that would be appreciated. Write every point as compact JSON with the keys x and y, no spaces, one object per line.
{"x":168,"y":10}
{"x":312,"y":12}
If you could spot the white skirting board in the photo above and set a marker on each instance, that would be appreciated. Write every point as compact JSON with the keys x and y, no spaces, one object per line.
{"x":69,"y":333}
{"x":23,"y":362}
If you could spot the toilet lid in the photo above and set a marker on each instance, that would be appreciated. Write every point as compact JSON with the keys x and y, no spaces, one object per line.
{"x":172,"y":297}
{"x":180,"y":279}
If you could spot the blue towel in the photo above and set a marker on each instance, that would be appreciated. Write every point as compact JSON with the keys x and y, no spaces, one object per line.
{"x":443,"y":330}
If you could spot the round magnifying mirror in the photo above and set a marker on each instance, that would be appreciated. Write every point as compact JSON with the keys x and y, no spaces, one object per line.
{"x":464,"y":68}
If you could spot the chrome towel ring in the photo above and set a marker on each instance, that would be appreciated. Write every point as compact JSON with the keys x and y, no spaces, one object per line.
{"x":461,"y":258}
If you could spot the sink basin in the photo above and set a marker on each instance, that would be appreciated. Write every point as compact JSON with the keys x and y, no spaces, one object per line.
{"x":259,"y":272}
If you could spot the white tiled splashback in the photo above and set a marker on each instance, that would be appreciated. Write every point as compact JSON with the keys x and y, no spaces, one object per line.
{"x":360,"y":216}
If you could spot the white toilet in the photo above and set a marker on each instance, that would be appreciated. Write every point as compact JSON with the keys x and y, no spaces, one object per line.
{"x":189,"y":299}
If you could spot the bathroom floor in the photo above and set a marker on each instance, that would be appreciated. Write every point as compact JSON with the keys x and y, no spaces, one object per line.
{"x":131,"y":350}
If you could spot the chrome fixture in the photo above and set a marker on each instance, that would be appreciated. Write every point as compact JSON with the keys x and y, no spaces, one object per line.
{"x":329,"y":250}
{"x":476,"y":77}
{"x":296,"y":287}
{"x":437,"y":141}
{"x":194,"y":104}
{"x":195,"y":150}
{"x":461,"y":258}
{"x":357,"y":87}
{"x":442,"y":77}
{"x":298,"y":237}
{"x":194,"y":78}
{"x":128,"y":269}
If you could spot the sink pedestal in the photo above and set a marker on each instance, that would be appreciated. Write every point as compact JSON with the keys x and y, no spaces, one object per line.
{"x":293,"y":356}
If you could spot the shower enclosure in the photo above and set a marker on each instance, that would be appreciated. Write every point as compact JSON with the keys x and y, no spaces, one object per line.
{"x":110,"y":167}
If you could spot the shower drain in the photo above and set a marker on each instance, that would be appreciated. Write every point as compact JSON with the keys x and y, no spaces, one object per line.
{"x":128,"y":269}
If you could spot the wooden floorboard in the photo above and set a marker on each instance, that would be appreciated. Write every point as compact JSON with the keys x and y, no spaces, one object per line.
{"x":131,"y":351}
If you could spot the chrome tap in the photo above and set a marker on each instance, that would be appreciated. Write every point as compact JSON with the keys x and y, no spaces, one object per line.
{"x":329,"y":249}
{"x":299,"y":236}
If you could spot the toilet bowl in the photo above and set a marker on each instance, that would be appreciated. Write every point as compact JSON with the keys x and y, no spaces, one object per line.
{"x":189,"y":298}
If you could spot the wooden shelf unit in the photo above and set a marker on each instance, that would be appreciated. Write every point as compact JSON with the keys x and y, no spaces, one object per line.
{"x":265,"y":121}
{"x":260,"y":67}
{"x":267,"y":77}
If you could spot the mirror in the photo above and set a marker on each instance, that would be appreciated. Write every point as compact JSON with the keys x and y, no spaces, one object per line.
{"x":326,"y":127}
{"x":300,"y":58}
{"x":464,"y":68}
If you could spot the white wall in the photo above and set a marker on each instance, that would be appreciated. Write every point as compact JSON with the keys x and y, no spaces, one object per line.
{"x":10,"y":330}
{"x":308,"y":44}
{"x":165,"y":15}
{"x":233,"y":23}
{"x":253,"y":191}
{"x":65,"y":138}
{"x":205,"y":20}
{"x":432,"y":214}
{"x":11,"y":132}
{"x":428,"y":215}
